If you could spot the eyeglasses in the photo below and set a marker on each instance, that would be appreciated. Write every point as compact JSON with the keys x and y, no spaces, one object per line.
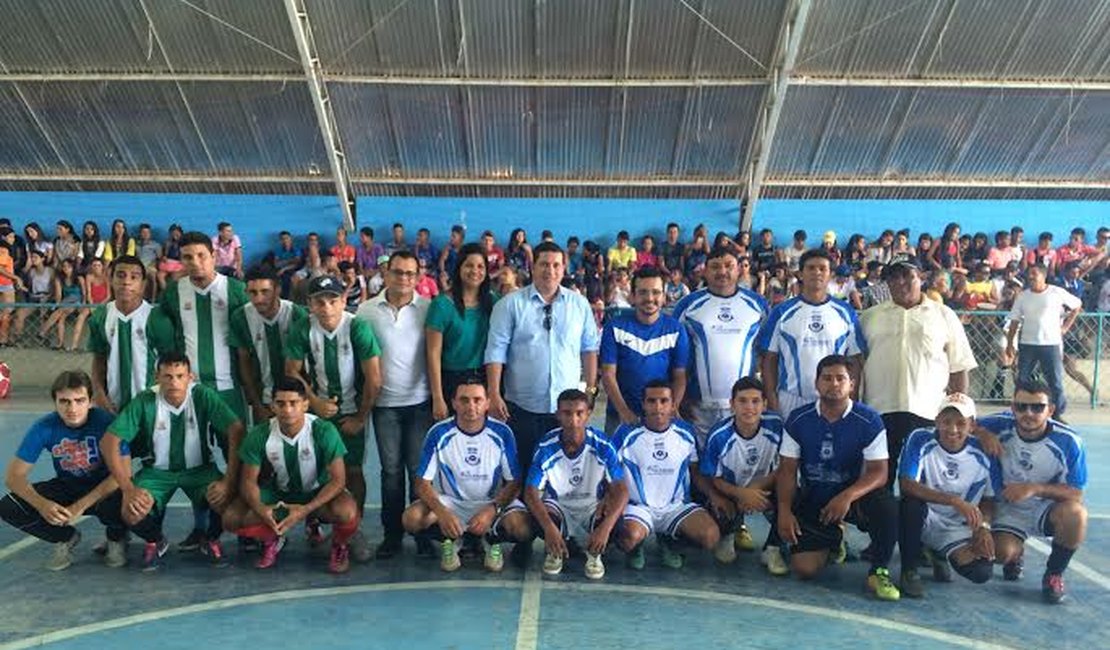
{"x":547,"y":317}
{"x":1030,"y":407}
{"x":405,"y":275}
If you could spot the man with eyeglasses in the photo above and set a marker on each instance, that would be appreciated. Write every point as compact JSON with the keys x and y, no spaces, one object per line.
{"x":1044,"y":471}
{"x":402,"y":414}
{"x":542,"y":340}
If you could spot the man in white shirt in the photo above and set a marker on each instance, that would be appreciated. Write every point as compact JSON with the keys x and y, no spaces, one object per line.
{"x":1038,"y":311}
{"x":402,"y":413}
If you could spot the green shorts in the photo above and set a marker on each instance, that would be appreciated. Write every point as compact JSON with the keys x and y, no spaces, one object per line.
{"x":163,"y":483}
{"x":356,"y":444}
{"x":269,"y":496}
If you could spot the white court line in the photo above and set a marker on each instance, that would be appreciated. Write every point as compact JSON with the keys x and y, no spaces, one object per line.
{"x":1078,"y":567}
{"x":15,"y":547}
{"x":528,"y":624}
{"x":1094,"y":516}
{"x":895,"y":626}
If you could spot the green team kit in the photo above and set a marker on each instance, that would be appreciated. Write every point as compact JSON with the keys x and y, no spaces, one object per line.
{"x":296,"y":467}
{"x":131,"y":343}
{"x":265,"y":339}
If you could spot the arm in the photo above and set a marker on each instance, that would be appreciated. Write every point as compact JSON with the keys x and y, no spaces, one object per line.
{"x":873,"y":476}
{"x":321,"y":406}
{"x":1069,"y":319}
{"x":448,"y":523}
{"x":433,"y":349}
{"x":1017,"y":492}
{"x":769,"y":366}
{"x":1011,"y":333}
{"x":497,"y":408}
{"x":100,"y":383}
{"x":230,"y":481}
{"x":855,"y":369}
{"x":786,"y":485}
{"x":613,"y":393}
{"x":337,"y":482}
{"x":920,"y":491}
{"x":15,"y":478}
{"x":589,"y":368}
{"x":755,"y":497}
{"x":678,"y":385}
{"x":957,"y":382}
{"x":371,"y":386}
{"x":250,"y":382}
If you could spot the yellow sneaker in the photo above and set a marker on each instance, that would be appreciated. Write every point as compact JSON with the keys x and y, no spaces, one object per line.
{"x":744,"y":541}
{"x":880,"y":586}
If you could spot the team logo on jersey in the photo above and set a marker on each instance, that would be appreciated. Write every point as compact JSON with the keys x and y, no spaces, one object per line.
{"x":660,"y":453}
{"x":112,"y":332}
{"x":306,"y":453}
{"x":187,"y":306}
{"x":952,"y":470}
{"x":1025,"y":459}
{"x":576,"y":476}
{"x":219,"y":302}
{"x":471,"y":457}
{"x":345,"y":348}
{"x":751,"y":456}
{"x":826,"y":450}
{"x":815,"y":323}
{"x":258,"y":337}
{"x":725,"y":314}
{"x":139,"y":333}
{"x":274,"y":457}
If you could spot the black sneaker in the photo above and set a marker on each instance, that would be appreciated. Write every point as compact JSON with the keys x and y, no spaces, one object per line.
{"x":192,"y":542}
{"x":1012,"y":571}
{"x":389,"y":548}
{"x":1052,"y":588}
{"x":911,"y":584}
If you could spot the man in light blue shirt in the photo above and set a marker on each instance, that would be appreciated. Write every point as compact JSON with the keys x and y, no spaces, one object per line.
{"x":544,"y":340}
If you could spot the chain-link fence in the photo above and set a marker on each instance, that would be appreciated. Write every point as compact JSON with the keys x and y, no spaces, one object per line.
{"x":40,"y":340}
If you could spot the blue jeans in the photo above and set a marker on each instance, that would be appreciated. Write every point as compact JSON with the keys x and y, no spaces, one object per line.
{"x":399,"y":432}
{"x":1050,"y":360}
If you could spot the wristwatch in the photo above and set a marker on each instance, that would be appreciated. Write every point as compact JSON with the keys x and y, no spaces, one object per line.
{"x":591,"y":391}
{"x":985,"y":526}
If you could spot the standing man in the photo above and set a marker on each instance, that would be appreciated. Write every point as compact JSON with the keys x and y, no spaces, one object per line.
{"x":344,"y":375}
{"x":1044,"y":471}
{"x":258,"y":333}
{"x":803,"y":330}
{"x":542,"y":341}
{"x":1039,"y":312}
{"x":723,"y":320}
{"x":837,"y":448}
{"x":402,"y":412}
{"x":49,"y":509}
{"x":918,"y":353}
{"x":672,"y":252}
{"x":126,"y":336}
{"x":639,"y":348}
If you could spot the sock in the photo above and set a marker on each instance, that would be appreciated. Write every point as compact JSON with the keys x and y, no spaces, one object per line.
{"x":1058,"y":560}
{"x":200,"y":518}
{"x":260,"y":532}
{"x":342,"y":533}
{"x":215,"y":526}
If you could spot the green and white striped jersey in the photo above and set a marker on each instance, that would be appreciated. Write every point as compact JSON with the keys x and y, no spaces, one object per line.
{"x":265,"y":339}
{"x":298,"y":464}
{"x":335,"y":358}
{"x":131,"y":344}
{"x":201,"y":317}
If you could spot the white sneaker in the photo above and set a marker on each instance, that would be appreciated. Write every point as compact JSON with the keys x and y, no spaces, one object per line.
{"x":725,"y":550}
{"x":494,"y":561}
{"x":552,"y":565}
{"x":63,"y":553}
{"x":773,"y":560}
{"x":115,"y":555}
{"x":360,"y":548}
{"x":595,"y":568}
{"x":449,"y":556}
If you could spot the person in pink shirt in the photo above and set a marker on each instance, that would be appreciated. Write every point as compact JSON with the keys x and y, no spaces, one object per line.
{"x":426,"y":286}
{"x":1043,"y":254}
{"x":228,"y":251}
{"x":1002,"y":253}
{"x":646,"y":256}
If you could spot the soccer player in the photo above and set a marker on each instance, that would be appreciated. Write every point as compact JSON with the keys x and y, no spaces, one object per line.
{"x":467,"y":480}
{"x":723,"y":320}
{"x":200,"y":305}
{"x":302,"y":457}
{"x":804,"y":330}
{"x":575,"y":488}
{"x":1044,"y":471}
{"x":168,"y":426}
{"x":126,"y":336}
{"x":740,"y":458}
{"x":948,"y":488}
{"x":838,"y":448}
{"x":49,"y":509}
{"x":660,"y":459}
{"x":258,"y":332}
{"x":345,"y":378}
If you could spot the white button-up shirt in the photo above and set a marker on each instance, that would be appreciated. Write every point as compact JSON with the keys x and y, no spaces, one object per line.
{"x":400,"y":332}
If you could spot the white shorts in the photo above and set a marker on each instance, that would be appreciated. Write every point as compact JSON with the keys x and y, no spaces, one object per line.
{"x":944,"y":536}
{"x":789,"y":401}
{"x":575,"y":523}
{"x":662,"y":521}
{"x":465,"y":510}
{"x":1027,"y":519}
{"x":706,"y":414}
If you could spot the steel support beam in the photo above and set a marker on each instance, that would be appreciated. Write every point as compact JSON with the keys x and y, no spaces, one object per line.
{"x":325,"y":115}
{"x":770,"y":110}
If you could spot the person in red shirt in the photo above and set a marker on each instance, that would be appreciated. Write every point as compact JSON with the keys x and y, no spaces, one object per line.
{"x":1076,"y":250}
{"x":342,"y":251}
{"x":1043,"y":254}
{"x":495,"y":256}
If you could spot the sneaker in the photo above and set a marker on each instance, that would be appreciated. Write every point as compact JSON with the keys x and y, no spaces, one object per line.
{"x":449,"y":556}
{"x":552,"y":564}
{"x":152,"y":555}
{"x":942,"y":571}
{"x":214,"y":551}
{"x":115,"y":554}
{"x":270,"y":550}
{"x":725,"y":550}
{"x":637,"y":559}
{"x":1012,"y":571}
{"x":672,"y":559}
{"x":63,"y":553}
{"x":313,"y":534}
{"x":911,"y":584}
{"x":595,"y":568}
{"x":249,"y":545}
{"x":388,"y":549}
{"x":840,"y":555}
{"x":880,"y":586}
{"x":773,"y":560}
{"x":360,"y":548}
{"x":494,"y":561}
{"x":340,"y":560}
{"x":101,"y":548}
{"x":1052,"y":588}
{"x":192,"y":542}
{"x":744,"y":541}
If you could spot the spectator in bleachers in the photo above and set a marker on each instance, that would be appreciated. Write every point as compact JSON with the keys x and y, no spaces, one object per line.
{"x":354,"y":286}
{"x":398,"y":242}
{"x":980,"y":290}
{"x":149,"y":252}
{"x":872,"y":290}
{"x":1072,"y":280}
{"x":743,"y":241}
{"x":37,"y":241}
{"x":855,"y":253}
{"x":18,"y":247}
{"x":228,"y":251}
{"x":10,"y":281}
{"x":1077,"y":250}
{"x":285,"y":260}
{"x":842,"y":286}
{"x":574,"y":259}
{"x":376,"y":282}
{"x":1017,"y":240}
{"x":1104,"y":296}
{"x":748,"y":278}
{"x":368,"y":252}
{"x":1008,"y":275}
{"x":1003,"y":252}
{"x":793,"y":253}
{"x":170,"y":267}
{"x":66,"y":244}
{"x":780,"y":285}
{"x":68,"y":295}
{"x":40,"y":291}
{"x":881,"y":249}
{"x":97,"y":289}
{"x":958,"y":296}
{"x":828,"y":244}
{"x":945,"y":252}
{"x":518,"y":255}
{"x":495,"y":256}
{"x":979,"y":249}
{"x":672,"y":251}
{"x":696,"y":256}
{"x":622,"y":254}
{"x":922,"y":250}
{"x":646,"y":257}
{"x":764,"y":254}
{"x":449,"y":256}
{"x":313,"y":267}
{"x":1043,"y":254}
{"x":120,"y":242}
{"x":342,"y":251}
{"x":619,"y":295}
{"x":676,"y":288}
{"x":547,"y":235}
{"x":593,"y":272}
{"x":426,"y":285}
{"x":508,"y":281}
{"x":425,"y":251}
{"x":902,"y":246}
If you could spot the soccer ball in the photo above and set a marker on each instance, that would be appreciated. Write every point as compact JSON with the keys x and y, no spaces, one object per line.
{"x":5,"y":380}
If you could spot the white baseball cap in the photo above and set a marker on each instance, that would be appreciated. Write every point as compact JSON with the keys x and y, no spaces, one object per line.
{"x":962,"y":403}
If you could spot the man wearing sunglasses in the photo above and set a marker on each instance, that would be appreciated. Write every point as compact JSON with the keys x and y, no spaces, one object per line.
{"x":1044,"y":470}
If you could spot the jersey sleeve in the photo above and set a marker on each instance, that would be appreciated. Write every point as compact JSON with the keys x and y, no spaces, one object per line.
{"x":253,"y":449}
{"x":1077,"y":466}
{"x":680,"y":354}
{"x":768,"y":339}
{"x":789,"y":447}
{"x":994,"y":485}
{"x":537,"y":478}
{"x":510,"y":462}
{"x":614,"y":470}
{"x":608,"y":351}
{"x":1070,"y":300}
{"x":363,"y":341}
{"x":34,"y":441}
{"x":128,"y":424}
{"x":98,"y":337}
{"x":857,"y":344}
{"x":219,"y":413}
{"x":236,"y":294}
{"x":876,"y":449}
{"x":238,"y":332}
{"x":500,"y":333}
{"x":909,"y":462}
{"x":710,"y":457}
{"x":591,"y":338}
{"x":429,"y":459}
{"x":329,"y":440}
{"x":160,"y":331}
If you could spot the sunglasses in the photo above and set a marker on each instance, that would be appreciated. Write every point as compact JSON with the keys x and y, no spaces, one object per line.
{"x":547,"y":317}
{"x":1030,"y":407}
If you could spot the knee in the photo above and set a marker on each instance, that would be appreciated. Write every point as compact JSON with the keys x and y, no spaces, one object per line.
{"x":412,"y":519}
{"x":517,"y":527}
{"x":1068,"y":514}
{"x":804,"y":570}
{"x":977,"y":571}
{"x":631,"y":536}
{"x":344,"y":510}
{"x":231,"y":519}
{"x":708,"y":536}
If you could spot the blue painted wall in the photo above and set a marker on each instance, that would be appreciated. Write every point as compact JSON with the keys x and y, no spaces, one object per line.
{"x":258,"y":219}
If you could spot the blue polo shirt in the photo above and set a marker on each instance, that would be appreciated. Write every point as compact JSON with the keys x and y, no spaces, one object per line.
{"x":74,"y":451}
{"x":831,"y":454}
{"x":643,"y":353}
